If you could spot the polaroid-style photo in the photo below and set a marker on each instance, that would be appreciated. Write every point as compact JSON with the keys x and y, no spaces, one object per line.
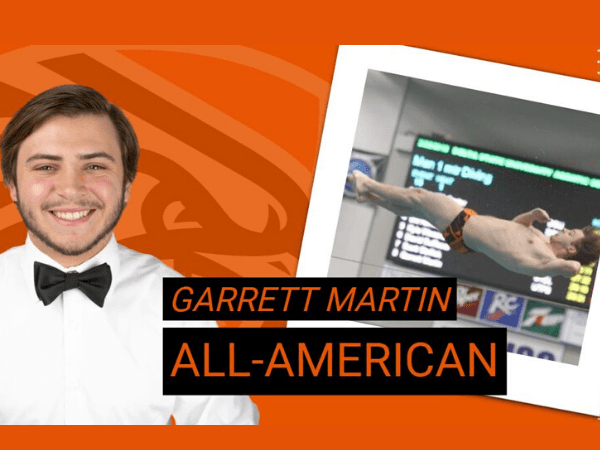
{"x":478,"y":139}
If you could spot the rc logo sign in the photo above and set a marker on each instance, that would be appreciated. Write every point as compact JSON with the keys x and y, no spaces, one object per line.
{"x":502,"y":308}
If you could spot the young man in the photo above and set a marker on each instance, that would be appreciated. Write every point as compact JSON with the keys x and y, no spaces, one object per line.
{"x":515,"y":245}
{"x":80,"y":315}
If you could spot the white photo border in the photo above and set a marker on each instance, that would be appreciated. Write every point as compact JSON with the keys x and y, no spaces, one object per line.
{"x":530,"y":380}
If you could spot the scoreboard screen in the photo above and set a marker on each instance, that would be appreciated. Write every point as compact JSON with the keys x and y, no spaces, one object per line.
{"x":502,"y":186}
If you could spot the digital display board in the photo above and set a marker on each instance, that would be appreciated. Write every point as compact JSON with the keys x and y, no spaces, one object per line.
{"x":501,"y":186}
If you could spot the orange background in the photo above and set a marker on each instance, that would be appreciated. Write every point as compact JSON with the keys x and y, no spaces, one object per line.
{"x":229,"y":139}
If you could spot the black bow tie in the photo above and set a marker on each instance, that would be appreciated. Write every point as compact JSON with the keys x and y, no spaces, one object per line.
{"x":50,"y":282}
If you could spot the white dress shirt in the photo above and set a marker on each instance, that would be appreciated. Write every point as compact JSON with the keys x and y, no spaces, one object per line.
{"x":74,"y":363}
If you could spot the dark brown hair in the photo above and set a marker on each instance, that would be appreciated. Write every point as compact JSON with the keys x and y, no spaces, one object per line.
{"x":70,"y":100}
{"x":588,"y":247}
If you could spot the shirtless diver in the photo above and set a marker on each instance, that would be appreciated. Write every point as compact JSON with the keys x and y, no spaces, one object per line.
{"x":515,"y":245}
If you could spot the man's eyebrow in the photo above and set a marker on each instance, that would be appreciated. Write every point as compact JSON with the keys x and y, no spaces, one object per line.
{"x":84,"y":157}
{"x":43,"y":156}
{"x":94,"y":155}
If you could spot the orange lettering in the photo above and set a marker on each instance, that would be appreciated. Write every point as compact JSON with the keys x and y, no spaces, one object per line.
{"x":289,"y":294}
{"x":491,"y":367}
{"x":243,"y":299}
{"x":187,"y":301}
{"x":303,"y":352}
{"x":208,"y":302}
{"x":349,"y":298}
{"x":207,"y":372}
{"x":364,"y":302}
{"x":229,"y":301}
{"x":284,"y":365}
{"x":456,"y":365}
{"x":444,"y":305}
{"x":232,"y":372}
{"x":344,"y":358}
{"x":185,"y":349}
{"x":410,"y":291}
{"x":310,"y":291}
{"x":409,"y":359}
{"x":389,"y":300}
{"x":265,"y":298}
{"x":380,"y":361}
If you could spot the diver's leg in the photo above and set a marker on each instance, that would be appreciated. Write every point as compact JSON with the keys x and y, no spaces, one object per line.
{"x":436,"y":208}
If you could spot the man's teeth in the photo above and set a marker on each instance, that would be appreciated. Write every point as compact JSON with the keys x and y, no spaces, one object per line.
{"x":71,"y":215}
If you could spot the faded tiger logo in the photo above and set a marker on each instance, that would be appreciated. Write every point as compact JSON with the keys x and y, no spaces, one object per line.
{"x":228,"y":136}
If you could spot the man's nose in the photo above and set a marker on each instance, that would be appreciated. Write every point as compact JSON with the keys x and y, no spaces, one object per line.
{"x":70,"y":183}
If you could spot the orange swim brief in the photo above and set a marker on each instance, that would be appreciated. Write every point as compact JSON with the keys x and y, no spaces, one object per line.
{"x":454,"y":233}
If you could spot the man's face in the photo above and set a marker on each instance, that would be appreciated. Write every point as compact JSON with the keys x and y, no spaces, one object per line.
{"x":69,"y":186}
{"x":567,"y":237}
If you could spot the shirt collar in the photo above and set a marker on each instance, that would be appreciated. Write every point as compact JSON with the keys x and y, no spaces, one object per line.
{"x":109,"y":254}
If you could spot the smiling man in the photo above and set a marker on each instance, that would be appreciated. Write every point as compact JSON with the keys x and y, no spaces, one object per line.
{"x":70,"y":186}
{"x":80,"y":315}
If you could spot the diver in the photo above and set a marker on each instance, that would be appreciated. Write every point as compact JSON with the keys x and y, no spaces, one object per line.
{"x":514,"y":244}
